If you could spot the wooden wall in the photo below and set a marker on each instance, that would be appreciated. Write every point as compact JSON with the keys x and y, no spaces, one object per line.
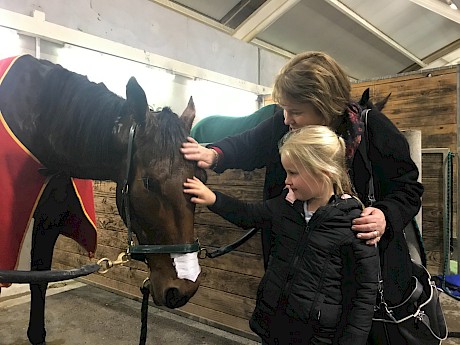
{"x":426,"y":101}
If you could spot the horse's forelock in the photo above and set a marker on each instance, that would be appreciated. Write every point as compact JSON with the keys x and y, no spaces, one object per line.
{"x":163,"y":135}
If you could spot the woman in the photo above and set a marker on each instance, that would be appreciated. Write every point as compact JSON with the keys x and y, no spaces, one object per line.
{"x":313,"y":89}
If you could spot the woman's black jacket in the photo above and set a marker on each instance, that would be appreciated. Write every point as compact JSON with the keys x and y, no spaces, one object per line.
{"x":397,"y":190}
{"x":316,"y":274}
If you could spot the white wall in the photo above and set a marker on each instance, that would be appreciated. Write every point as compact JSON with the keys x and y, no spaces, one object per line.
{"x":149,"y":26}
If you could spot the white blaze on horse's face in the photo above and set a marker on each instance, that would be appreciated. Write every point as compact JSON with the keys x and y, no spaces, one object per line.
{"x":187,"y":266}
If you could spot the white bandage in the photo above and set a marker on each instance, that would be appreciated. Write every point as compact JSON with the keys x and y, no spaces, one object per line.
{"x":186,"y":265}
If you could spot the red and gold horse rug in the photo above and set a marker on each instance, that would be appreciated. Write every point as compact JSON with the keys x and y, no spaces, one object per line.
{"x":22,"y":186}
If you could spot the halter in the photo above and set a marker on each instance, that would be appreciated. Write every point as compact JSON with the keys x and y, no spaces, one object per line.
{"x":138,"y":252}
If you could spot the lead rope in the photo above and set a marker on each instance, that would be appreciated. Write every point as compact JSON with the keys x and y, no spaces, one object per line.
{"x":144,"y":308}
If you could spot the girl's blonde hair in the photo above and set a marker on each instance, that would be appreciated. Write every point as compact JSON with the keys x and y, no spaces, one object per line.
{"x":315,"y":78}
{"x":320,"y":151}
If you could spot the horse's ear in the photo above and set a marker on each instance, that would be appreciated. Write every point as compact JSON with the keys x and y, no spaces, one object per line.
{"x":364,"y":98}
{"x":137,"y":101}
{"x":189,"y":114}
{"x":381,"y":104}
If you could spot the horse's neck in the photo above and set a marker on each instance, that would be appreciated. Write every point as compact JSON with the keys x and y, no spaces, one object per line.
{"x":84,"y":164}
{"x":87,"y":163}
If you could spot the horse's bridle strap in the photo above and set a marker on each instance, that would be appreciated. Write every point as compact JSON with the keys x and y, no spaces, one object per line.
{"x":164,"y":248}
{"x":125,"y":190}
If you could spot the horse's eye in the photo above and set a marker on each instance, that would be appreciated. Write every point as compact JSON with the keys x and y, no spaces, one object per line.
{"x":151,"y":184}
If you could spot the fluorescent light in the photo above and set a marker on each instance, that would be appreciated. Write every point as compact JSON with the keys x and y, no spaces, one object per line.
{"x":11,"y":43}
{"x":440,"y":8}
{"x":452,"y":5}
{"x":456,"y":3}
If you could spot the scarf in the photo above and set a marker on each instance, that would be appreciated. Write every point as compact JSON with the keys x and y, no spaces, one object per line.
{"x":351,"y":129}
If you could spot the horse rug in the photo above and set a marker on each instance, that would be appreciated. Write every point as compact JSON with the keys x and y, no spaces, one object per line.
{"x":22,"y":186}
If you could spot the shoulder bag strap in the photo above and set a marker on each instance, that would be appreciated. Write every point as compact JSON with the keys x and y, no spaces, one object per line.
{"x":371,"y":198}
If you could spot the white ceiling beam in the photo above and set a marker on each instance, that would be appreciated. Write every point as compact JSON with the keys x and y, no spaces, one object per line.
{"x":262,"y":18}
{"x":272,"y":48}
{"x":219,"y":26}
{"x":440,"y":8}
{"x":376,"y":32}
{"x":193,"y":14}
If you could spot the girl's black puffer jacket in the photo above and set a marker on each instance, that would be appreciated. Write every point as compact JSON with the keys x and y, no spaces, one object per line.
{"x":318,"y":273}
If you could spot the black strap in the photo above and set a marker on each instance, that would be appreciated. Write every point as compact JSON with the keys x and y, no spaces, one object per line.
{"x":144,"y":309}
{"x":367,"y":161}
{"x":125,"y":190}
{"x":371,"y":195}
{"x":232,"y":246}
{"x":25,"y":277}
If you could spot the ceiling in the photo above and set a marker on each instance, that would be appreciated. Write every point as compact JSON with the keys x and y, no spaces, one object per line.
{"x":369,"y":38}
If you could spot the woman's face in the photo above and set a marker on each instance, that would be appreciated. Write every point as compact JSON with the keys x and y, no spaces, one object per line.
{"x":298,"y":115}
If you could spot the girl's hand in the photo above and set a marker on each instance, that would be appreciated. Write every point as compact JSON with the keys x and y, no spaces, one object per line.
{"x":371,"y":225}
{"x":201,"y":194}
{"x":195,"y":152}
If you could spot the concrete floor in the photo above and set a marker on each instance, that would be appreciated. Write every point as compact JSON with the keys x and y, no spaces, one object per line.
{"x":451,"y":309}
{"x":79,"y":314}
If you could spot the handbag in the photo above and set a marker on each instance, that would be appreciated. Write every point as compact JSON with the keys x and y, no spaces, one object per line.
{"x":418,"y":320}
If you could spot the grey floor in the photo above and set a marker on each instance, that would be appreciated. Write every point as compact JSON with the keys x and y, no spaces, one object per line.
{"x":80,"y":314}
{"x":77,"y":313}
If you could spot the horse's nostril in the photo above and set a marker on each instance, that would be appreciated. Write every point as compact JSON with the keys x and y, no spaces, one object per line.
{"x":174,"y":299}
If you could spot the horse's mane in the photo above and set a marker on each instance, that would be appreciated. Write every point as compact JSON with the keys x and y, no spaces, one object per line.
{"x":78,"y":115}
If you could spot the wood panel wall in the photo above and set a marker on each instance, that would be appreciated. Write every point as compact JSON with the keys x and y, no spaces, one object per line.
{"x":426,"y":101}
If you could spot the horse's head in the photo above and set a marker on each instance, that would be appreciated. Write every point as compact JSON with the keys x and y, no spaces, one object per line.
{"x":159,"y":212}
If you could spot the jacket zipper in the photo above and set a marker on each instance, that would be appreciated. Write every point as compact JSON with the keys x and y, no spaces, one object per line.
{"x":292,"y":271}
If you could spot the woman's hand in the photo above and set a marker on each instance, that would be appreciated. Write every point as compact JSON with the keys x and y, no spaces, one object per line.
{"x":371,"y":225}
{"x":195,"y":152}
{"x":201,"y":194}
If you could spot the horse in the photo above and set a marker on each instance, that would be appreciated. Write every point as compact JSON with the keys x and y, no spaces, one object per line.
{"x":77,"y":129}
{"x":216,"y":127}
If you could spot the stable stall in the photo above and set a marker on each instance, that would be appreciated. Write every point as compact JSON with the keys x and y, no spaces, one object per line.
{"x":424,"y":101}
{"x":218,"y":69}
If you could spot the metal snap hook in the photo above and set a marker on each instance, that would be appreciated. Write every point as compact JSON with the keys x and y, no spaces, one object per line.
{"x":203,"y":253}
{"x":107,"y":264}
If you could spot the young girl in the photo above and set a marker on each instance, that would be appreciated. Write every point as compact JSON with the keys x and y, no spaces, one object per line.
{"x":320,"y":284}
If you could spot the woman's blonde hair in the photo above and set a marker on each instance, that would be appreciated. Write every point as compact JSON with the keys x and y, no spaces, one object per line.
{"x":320,"y":151}
{"x":315,"y":78}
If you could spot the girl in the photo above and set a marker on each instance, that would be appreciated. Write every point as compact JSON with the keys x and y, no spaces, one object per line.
{"x":320,"y":284}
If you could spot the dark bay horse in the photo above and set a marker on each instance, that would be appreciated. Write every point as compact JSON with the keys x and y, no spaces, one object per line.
{"x":77,"y":128}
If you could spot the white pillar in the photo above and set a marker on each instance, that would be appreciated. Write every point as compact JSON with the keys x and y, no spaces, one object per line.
{"x":414,"y":138}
